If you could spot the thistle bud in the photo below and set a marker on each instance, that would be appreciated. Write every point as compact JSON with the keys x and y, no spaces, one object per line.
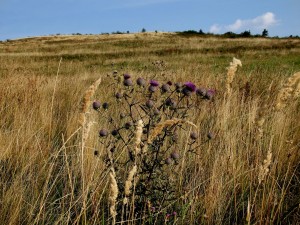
{"x":168,"y":161}
{"x":103,"y":133}
{"x":105,"y":105}
{"x":175,"y":155}
{"x":96,"y":105}
{"x":127,"y":82}
{"x":141,"y":81}
{"x":193,"y":135}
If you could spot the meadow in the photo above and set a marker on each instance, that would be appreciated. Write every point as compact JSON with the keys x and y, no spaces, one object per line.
{"x":81,"y":142}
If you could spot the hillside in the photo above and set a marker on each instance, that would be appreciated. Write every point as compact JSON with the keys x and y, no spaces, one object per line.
{"x":202,"y":143}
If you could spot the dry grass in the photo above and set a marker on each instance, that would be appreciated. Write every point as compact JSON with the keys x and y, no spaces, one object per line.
{"x":234,"y":178}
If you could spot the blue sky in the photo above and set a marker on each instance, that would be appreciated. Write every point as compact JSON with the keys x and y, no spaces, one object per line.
{"x":23,"y":18}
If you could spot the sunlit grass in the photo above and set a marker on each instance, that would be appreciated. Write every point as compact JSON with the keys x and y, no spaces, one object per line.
{"x":44,"y":169}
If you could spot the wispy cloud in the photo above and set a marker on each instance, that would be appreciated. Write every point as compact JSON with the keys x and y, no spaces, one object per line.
{"x":260,"y":22}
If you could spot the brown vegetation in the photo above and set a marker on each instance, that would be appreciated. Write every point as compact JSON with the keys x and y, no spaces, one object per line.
{"x":52,"y":169}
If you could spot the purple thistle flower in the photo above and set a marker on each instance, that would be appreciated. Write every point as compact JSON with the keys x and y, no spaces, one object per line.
{"x":126,"y":76}
{"x":190,"y":86}
{"x":154,"y":83}
{"x":174,"y":213}
{"x":210,"y":94}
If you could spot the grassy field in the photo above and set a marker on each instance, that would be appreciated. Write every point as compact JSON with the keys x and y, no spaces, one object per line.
{"x":242,"y":166}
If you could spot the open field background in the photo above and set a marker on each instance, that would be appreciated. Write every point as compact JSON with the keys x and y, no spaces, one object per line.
{"x":41,"y":171}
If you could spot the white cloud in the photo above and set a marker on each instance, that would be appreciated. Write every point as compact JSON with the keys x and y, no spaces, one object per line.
{"x":215,"y":29}
{"x":260,"y":22}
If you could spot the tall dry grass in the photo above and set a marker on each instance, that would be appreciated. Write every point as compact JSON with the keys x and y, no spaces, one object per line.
{"x":234,"y":178}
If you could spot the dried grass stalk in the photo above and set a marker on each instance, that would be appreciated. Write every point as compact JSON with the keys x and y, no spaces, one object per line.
{"x":248,"y":217}
{"x":113,"y":195}
{"x":287,"y":90}
{"x":128,"y":182}
{"x":157,"y":130}
{"x":231,"y":73}
{"x":265,"y":168}
{"x":86,"y":101}
{"x":138,"y":136}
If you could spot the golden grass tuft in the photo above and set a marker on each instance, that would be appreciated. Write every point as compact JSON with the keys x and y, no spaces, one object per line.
{"x":128,"y":182}
{"x":287,"y":91}
{"x":40,"y":172}
{"x":138,"y":136}
{"x":265,"y":167}
{"x":113,"y":195}
{"x":86,"y":101}
{"x":231,"y":70}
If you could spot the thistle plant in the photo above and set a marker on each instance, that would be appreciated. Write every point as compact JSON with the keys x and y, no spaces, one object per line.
{"x":144,"y":140}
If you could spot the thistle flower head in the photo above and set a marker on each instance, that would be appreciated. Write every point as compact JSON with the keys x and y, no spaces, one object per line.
{"x":175,"y":155}
{"x":152,"y":88}
{"x":190,"y":86}
{"x":193,"y":135}
{"x":103,"y":133}
{"x":96,"y":105}
{"x":126,"y":76}
{"x":165,"y":88}
{"x":201,"y":92}
{"x":210,"y":94}
{"x":170,"y":102}
{"x":156,"y":112}
{"x":149,"y":103}
{"x":114,"y":132}
{"x":141,"y":81}
{"x":168,"y":161}
{"x":154,"y":83}
{"x":178,"y":87}
{"x":119,"y":95}
{"x":128,"y":82}
{"x":210,"y":135}
{"x":128,"y":125}
{"x":105,"y":105}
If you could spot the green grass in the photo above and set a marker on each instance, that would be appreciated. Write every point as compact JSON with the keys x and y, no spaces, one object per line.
{"x":40,"y":160}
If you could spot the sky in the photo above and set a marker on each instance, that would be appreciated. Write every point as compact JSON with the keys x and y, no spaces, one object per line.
{"x":27,"y":18}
